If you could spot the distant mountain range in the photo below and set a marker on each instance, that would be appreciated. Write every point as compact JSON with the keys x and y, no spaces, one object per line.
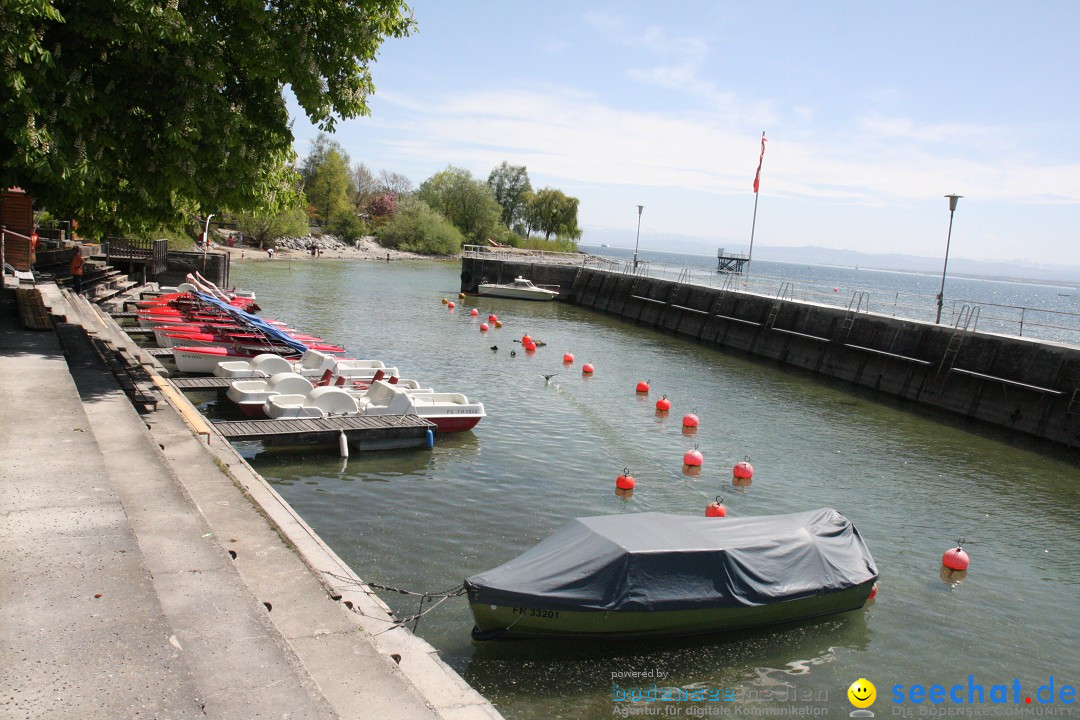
{"x":814,"y":255}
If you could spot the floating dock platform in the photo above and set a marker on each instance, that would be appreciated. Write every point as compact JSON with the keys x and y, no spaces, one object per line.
{"x":730,"y":262}
{"x":379,"y":432}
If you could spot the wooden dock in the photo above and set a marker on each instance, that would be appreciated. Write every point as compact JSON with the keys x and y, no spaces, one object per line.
{"x":206,"y":383}
{"x":380,"y":432}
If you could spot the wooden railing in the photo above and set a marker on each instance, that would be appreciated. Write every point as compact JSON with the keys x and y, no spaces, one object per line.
{"x":15,"y":250}
{"x":155,"y":253}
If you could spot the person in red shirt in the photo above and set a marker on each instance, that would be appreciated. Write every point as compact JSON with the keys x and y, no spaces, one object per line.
{"x":77,"y":270}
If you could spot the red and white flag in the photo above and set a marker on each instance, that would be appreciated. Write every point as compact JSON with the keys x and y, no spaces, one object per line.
{"x":757,"y":176}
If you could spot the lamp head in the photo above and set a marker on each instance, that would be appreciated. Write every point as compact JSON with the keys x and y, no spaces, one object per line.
{"x":952,"y":201}
{"x":640,"y":208}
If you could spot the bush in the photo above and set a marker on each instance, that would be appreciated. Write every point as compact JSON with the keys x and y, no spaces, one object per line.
{"x":348,"y":225}
{"x":415,"y":227}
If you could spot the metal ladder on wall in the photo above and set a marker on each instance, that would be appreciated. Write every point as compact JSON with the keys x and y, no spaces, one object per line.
{"x":786,"y":292}
{"x":855,"y":305}
{"x":967,"y":317}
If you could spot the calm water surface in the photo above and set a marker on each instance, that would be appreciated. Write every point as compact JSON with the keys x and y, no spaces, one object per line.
{"x":550,"y":451}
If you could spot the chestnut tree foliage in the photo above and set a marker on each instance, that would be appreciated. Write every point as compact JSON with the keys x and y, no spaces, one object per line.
{"x":130,"y":113}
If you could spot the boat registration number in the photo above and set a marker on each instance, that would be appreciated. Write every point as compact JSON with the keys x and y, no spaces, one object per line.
{"x":552,"y":614}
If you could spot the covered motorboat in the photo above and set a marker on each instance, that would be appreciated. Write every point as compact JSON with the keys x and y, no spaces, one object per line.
{"x":520,"y":289}
{"x":656,"y":574}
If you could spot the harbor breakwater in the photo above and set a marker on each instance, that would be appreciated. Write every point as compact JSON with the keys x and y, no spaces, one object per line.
{"x":1021,"y":385}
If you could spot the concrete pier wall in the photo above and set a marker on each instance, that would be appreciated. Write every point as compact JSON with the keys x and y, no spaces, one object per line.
{"x":1022,"y":385}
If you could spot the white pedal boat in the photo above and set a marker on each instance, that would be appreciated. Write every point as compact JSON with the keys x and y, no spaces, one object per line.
{"x":312,"y":364}
{"x":451,"y":412}
{"x":253,"y":393}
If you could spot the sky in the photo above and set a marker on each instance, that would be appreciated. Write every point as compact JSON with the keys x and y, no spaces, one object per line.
{"x":873,"y":112}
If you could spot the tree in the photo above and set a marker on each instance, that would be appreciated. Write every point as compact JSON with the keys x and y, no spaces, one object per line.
{"x":466,"y":202}
{"x":327,"y":187}
{"x":394,"y":183}
{"x":265,"y":226}
{"x":133,"y":113}
{"x":552,"y":212}
{"x":511,"y":186}
{"x":364,"y":186}
{"x":416,"y":227}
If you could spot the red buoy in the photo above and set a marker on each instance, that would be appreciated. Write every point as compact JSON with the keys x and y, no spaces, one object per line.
{"x":450,"y":305}
{"x":474,"y":312}
{"x":568,"y":357}
{"x":587,"y":369}
{"x":526,"y":339}
{"x":492,"y":318}
{"x":743,"y":470}
{"x":530,"y":347}
{"x":716,"y":508}
{"x":624,"y":485}
{"x":483,"y":327}
{"x":956,"y":558}
{"x":693,"y":458}
{"x":643,"y":387}
{"x":690,"y":420}
{"x":663,"y":404}
{"x":873,"y":592}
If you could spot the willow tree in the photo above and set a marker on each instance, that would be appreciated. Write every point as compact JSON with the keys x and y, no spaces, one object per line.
{"x":129,"y":113}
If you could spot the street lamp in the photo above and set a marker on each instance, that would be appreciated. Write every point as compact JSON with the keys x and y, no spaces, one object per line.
{"x":639,"y":209}
{"x":948,"y":241}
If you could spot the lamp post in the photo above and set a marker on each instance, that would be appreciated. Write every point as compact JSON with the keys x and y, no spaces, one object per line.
{"x":206,"y":241}
{"x":636,"y":240}
{"x":941,"y":295}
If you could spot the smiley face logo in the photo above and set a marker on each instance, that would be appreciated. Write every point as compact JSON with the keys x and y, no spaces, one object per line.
{"x":862,"y":693}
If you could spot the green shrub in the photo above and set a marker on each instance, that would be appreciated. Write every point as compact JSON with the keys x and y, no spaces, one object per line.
{"x":415,"y":227}
{"x":347,"y":225}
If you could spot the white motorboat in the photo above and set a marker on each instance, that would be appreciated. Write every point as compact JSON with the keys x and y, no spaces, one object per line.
{"x":520,"y":289}
{"x":451,"y":412}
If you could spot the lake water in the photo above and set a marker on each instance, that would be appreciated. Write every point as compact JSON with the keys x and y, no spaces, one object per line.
{"x":912,"y":482}
{"x":1046,"y":311}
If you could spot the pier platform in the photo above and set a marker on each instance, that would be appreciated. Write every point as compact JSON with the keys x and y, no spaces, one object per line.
{"x":146,"y":574}
{"x":381,"y":432}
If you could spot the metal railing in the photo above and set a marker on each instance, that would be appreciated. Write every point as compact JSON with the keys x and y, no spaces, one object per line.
{"x":1038,"y":323}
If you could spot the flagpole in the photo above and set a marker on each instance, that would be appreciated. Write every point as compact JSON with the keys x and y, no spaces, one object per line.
{"x":753,"y":224}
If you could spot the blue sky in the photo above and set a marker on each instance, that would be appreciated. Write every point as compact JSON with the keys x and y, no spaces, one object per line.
{"x":873,"y":112}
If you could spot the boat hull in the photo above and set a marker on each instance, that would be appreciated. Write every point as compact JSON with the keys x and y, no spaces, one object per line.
{"x":515,"y":293}
{"x":502,"y":622}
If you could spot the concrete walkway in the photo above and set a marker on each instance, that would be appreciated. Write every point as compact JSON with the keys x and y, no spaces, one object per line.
{"x":138,"y":579}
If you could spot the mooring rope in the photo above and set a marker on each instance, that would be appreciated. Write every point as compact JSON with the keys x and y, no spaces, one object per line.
{"x":443,"y":596}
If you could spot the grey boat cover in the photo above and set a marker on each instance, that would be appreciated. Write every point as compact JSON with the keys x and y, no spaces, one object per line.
{"x":658,"y":561}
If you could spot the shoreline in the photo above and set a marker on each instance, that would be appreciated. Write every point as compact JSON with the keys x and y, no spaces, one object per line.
{"x":364,"y":249}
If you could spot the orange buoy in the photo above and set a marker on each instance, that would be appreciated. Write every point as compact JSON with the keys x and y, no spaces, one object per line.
{"x":643,"y":387}
{"x":450,"y":305}
{"x":445,"y":301}
{"x":526,"y":339}
{"x":956,"y":558}
{"x":483,"y":327}
{"x":568,"y":357}
{"x":663,"y":404}
{"x":461,"y":296}
{"x":624,"y":485}
{"x":474,"y":312}
{"x":587,"y":369}
{"x":716,"y":508}
{"x":743,"y":470}
{"x":498,"y":323}
{"x":690,"y":420}
{"x":693,"y":458}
